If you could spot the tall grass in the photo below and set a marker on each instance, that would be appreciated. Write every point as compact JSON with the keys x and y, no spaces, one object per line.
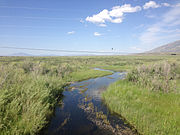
{"x":30,"y":88}
{"x":25,"y":100}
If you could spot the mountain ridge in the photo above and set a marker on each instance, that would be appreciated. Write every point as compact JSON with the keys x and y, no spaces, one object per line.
{"x":173,"y":47}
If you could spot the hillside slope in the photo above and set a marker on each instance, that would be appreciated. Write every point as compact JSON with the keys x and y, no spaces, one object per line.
{"x":173,"y":47}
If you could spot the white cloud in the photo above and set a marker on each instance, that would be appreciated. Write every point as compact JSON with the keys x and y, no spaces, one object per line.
{"x":117,"y":20}
{"x":115,"y":15}
{"x":97,"y":34}
{"x":155,"y":6}
{"x":99,"y":18}
{"x":126,"y":8}
{"x":151,"y":4}
{"x":166,"y":4}
{"x":70,"y":32}
{"x":118,"y":11}
{"x":172,"y":16}
{"x":165,"y":30}
{"x":102,"y":25}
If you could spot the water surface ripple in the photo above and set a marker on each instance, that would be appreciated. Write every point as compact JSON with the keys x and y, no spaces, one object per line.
{"x":83,"y":111}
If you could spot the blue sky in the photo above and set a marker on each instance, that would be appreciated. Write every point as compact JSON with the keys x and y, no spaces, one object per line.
{"x":96,"y":25}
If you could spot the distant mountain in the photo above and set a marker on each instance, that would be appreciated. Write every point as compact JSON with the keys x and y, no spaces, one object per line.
{"x":21,"y":54}
{"x":173,"y":47}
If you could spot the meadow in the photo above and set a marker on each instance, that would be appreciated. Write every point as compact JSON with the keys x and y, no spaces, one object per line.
{"x":148,"y":98}
{"x":31,"y":86}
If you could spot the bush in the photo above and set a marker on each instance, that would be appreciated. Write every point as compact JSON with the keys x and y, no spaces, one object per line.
{"x":157,"y":77}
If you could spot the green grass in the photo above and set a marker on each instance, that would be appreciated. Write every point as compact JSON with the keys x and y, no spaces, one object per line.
{"x":149,"y":112}
{"x":118,"y":68}
{"x":148,"y":99}
{"x":26,"y":100}
{"x":30,"y":86}
{"x":86,"y":74}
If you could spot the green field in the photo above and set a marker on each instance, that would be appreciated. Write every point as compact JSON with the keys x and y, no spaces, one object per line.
{"x":30,"y":87}
{"x":149,"y":97}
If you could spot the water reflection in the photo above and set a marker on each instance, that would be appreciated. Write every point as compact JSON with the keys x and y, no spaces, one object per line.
{"x":83,"y":112}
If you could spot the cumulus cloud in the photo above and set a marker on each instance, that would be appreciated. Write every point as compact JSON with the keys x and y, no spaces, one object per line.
{"x":115,"y":15}
{"x":70,"y":32}
{"x":151,"y":4}
{"x":97,"y":34}
{"x":99,"y":18}
{"x":118,"y":11}
{"x":117,"y":20}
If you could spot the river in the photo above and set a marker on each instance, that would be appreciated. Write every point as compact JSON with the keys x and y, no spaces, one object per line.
{"x":83,"y":112}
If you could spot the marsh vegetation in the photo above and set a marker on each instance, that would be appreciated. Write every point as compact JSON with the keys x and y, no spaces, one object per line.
{"x":30,"y":88}
{"x":148,"y":98}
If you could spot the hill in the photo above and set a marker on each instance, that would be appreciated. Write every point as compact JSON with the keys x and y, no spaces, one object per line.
{"x":173,"y":47}
{"x":20,"y":54}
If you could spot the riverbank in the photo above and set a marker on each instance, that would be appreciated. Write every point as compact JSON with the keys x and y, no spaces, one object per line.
{"x":148,"y":100}
{"x":82,"y":106}
{"x":29,"y":92}
{"x":30,"y":86}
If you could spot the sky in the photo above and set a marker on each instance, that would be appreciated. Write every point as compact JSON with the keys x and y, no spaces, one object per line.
{"x":127,"y":26}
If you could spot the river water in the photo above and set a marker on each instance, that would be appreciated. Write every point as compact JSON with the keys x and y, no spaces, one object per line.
{"x":83,"y":112}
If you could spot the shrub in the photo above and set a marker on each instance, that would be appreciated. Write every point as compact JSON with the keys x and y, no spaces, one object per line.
{"x":156,"y":77}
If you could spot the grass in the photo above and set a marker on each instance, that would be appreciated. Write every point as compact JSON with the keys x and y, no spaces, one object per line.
{"x":148,"y":98}
{"x":157,"y":77}
{"x":26,"y":100}
{"x":87,"y":74}
{"x":30,"y":86}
